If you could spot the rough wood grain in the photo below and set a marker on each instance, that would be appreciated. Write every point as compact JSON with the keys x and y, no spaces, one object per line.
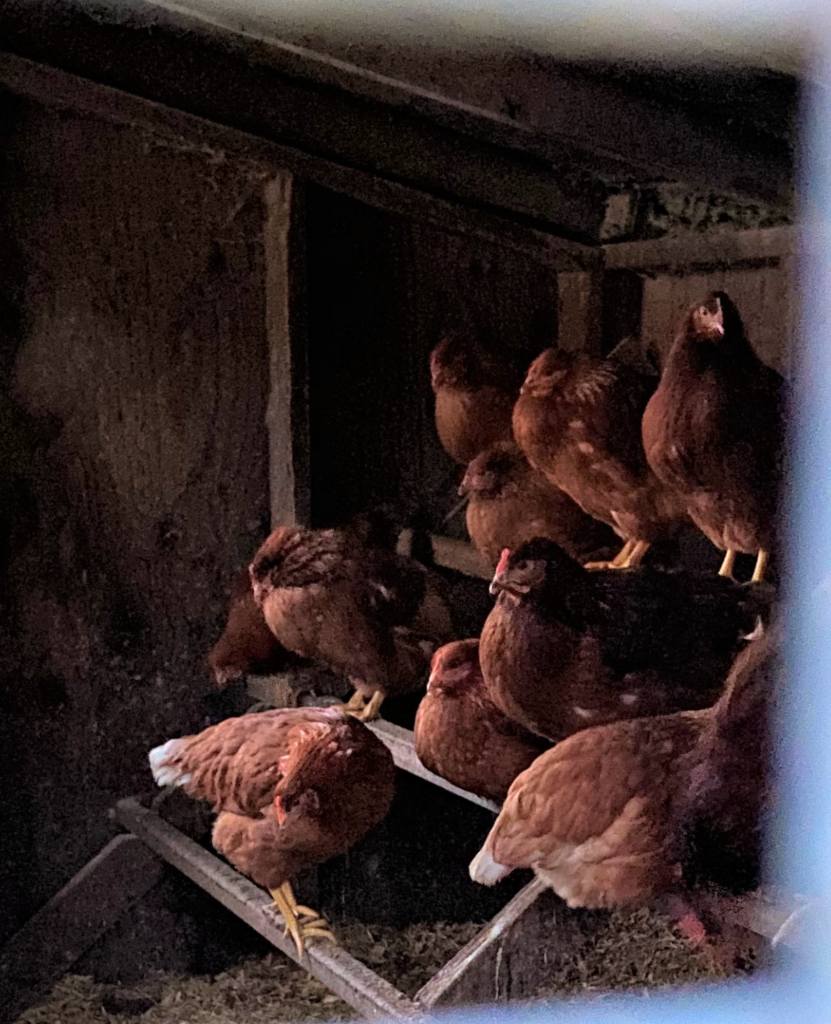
{"x":723,"y":248}
{"x":174,"y":128}
{"x":509,"y":959}
{"x":373,"y":997}
{"x":581,"y":311}
{"x":277,"y":89}
{"x":288,"y":404}
{"x":63,"y":930}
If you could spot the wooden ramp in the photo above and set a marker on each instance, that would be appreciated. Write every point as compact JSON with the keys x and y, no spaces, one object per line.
{"x":508,"y":960}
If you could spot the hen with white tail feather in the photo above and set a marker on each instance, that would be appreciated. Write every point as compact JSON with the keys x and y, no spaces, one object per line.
{"x":292,"y":788}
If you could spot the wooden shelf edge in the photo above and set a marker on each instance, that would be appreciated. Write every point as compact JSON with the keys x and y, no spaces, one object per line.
{"x":401,"y":745}
{"x":356,"y":984}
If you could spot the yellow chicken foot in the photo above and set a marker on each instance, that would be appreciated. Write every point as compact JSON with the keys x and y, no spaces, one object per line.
{"x":313,"y":927}
{"x":761,"y":564}
{"x":728,"y":563}
{"x":371,"y":711}
{"x":635,"y":556}
{"x":355,"y":704}
{"x":617,"y":562}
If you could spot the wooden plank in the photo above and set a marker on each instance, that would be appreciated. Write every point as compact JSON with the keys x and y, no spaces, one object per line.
{"x":401,"y":745}
{"x":452,"y":554}
{"x":286,"y":329}
{"x":355,"y":983}
{"x":76,"y":917}
{"x":329,"y":103}
{"x":176,"y":128}
{"x":511,"y":958}
{"x":696,"y":251}
{"x":580,"y":319}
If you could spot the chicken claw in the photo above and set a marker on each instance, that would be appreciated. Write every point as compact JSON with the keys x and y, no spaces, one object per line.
{"x":618,"y":562}
{"x":371,"y":711}
{"x":761,"y":564}
{"x":728,"y":563}
{"x":313,"y":927}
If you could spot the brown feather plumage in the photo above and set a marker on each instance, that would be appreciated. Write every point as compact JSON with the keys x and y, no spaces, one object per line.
{"x":475,"y":393}
{"x":371,"y":614}
{"x":461,"y":735}
{"x":603,"y":817}
{"x":714,"y":431}
{"x":511,"y":502}
{"x":577,"y":420}
{"x":291,"y":788}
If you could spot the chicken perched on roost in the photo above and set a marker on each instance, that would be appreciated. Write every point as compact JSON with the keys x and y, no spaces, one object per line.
{"x":578,"y":421}
{"x":475,"y":393}
{"x":291,"y":788}
{"x":714,"y":432}
{"x":461,"y":735}
{"x":603,"y":817}
{"x":510,"y":502}
{"x":374,"y":615}
{"x":247,"y":644}
{"x":565,"y":649}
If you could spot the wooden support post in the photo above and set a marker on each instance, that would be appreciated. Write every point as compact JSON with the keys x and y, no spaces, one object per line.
{"x":286,"y":329}
{"x":76,"y":917}
{"x":375,"y":998}
{"x":580,"y":320}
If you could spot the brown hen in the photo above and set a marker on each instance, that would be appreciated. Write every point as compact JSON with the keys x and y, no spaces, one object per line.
{"x":475,"y":394}
{"x":564,"y":649}
{"x":374,"y":615}
{"x":461,"y":735}
{"x":291,"y":788}
{"x":714,"y":432}
{"x":247,"y":644}
{"x":603,"y":817}
{"x":510,"y":502}
{"x":578,"y":421}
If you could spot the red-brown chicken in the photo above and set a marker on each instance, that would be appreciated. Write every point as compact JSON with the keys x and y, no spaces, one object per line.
{"x":602,"y":817}
{"x":714,"y":432}
{"x":578,"y":421}
{"x":247,"y":644}
{"x":510,"y":502}
{"x":461,"y":735}
{"x":475,"y":394}
{"x":564,"y":649}
{"x":291,"y":788}
{"x":374,"y":615}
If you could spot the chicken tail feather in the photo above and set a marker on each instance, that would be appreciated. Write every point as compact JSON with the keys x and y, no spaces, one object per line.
{"x":165,"y":773}
{"x":485,"y":870}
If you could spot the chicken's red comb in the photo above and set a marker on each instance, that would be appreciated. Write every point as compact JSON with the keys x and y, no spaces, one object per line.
{"x":503,"y":561}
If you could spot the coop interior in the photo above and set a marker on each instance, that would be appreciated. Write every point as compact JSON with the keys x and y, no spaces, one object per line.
{"x":227,"y":256}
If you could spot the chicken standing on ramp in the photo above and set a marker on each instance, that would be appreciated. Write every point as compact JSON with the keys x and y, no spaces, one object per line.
{"x":604,"y":818}
{"x":372,"y":614}
{"x":291,"y":788}
{"x":461,"y":735}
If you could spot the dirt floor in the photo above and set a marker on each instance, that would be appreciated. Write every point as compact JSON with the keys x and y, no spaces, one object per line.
{"x":632,"y":951}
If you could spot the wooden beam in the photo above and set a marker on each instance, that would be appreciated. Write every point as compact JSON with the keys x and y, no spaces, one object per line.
{"x":257,"y":82}
{"x":175,"y":128}
{"x":373,"y":997}
{"x":704,"y":251}
{"x":76,"y":917}
{"x":580,"y":311}
{"x":401,"y":745}
{"x":286,"y":329}
{"x":452,"y":554}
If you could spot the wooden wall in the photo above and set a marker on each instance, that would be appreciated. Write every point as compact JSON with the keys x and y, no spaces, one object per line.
{"x":382,"y":291}
{"x":134,"y":390}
